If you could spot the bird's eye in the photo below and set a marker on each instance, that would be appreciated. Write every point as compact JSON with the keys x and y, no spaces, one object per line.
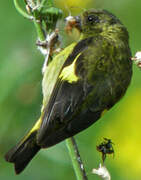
{"x":92,"y":18}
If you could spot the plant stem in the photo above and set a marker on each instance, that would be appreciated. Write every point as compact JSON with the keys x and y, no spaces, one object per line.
{"x":38,"y":27}
{"x":76,"y":159}
{"x":21,"y":11}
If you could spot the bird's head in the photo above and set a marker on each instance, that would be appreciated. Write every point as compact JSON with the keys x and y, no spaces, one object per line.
{"x":93,"y":22}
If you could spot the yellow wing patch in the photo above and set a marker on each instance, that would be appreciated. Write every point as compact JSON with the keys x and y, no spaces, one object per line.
{"x":68,"y":73}
{"x":37,"y":125}
{"x":35,"y":128}
{"x":103,"y":112}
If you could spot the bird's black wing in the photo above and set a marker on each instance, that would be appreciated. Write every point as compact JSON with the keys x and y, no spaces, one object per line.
{"x":71,"y":90}
{"x":67,"y":95}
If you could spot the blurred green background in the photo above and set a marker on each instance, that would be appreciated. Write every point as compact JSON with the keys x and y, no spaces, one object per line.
{"x":21,"y":97}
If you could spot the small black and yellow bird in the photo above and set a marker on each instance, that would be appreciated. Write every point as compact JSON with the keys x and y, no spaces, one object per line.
{"x":80,"y":83}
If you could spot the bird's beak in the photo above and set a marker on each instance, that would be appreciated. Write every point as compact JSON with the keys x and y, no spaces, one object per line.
{"x":73,"y":22}
{"x":78,"y":23}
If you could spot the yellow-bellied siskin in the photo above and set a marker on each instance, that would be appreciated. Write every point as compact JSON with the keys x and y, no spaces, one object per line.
{"x":81,"y":82}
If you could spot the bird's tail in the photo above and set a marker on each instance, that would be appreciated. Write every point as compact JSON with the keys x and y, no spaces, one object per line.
{"x":23,"y":152}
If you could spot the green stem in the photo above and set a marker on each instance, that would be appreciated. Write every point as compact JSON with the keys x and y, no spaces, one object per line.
{"x":76,"y":159}
{"x":21,"y":11}
{"x":38,"y":27}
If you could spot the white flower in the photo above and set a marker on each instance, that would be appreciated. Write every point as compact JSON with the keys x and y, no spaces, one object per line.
{"x":102,"y":172}
{"x":137,"y":59}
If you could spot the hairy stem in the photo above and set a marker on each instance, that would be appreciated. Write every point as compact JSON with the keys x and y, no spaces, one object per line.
{"x":76,"y":159}
{"x":39,"y":30}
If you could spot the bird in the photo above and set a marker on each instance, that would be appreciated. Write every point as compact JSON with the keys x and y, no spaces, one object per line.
{"x":90,"y":76}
